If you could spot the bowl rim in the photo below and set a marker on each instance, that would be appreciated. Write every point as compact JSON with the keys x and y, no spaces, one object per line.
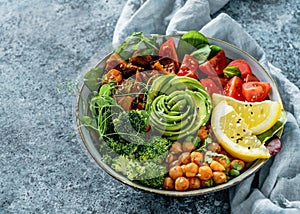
{"x":255,"y":166}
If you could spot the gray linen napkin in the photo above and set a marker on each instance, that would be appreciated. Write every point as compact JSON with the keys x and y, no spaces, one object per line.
{"x":277,"y":189}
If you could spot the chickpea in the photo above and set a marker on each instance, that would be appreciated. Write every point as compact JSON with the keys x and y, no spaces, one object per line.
{"x":183,"y":169}
{"x":196,"y":157}
{"x":216,"y":166}
{"x":188,"y":146}
{"x":170,"y":158}
{"x":223,"y":161}
{"x":208,"y":183}
{"x":176,"y":147}
{"x":219,"y":177}
{"x":175,"y":172}
{"x":194,"y":183}
{"x":185,"y":158}
{"x":113,"y":74}
{"x":191,"y":170}
{"x":181,"y":184}
{"x":168,"y":183}
{"x":214,"y":147}
{"x":203,"y":133}
{"x":204,"y":173}
{"x":237,"y":164}
{"x":174,"y":163}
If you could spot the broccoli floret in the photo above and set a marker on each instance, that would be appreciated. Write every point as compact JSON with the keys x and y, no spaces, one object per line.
{"x":131,"y":125}
{"x":120,"y":147}
{"x":145,"y":172}
{"x":156,"y":148}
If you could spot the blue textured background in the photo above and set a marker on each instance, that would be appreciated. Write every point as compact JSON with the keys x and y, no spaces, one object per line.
{"x":43,"y":166}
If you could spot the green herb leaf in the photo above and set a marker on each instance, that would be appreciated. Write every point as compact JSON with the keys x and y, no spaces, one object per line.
{"x":92,"y":78}
{"x":202,"y":53}
{"x":214,"y":49}
{"x":231,"y":71}
{"x":237,"y":166}
{"x":264,"y":137}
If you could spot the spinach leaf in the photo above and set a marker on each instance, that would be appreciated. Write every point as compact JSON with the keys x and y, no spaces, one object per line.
{"x":92,"y":78}
{"x":202,"y":53}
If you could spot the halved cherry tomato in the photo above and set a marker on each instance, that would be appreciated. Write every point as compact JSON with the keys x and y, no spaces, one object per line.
{"x":215,"y":65}
{"x":250,"y":78}
{"x":219,"y":80}
{"x":168,"y":49}
{"x":210,"y":86}
{"x":234,"y":88}
{"x":242,"y":65}
{"x":189,"y":67}
{"x":256,"y":91}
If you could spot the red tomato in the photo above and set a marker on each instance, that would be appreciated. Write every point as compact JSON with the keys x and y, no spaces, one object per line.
{"x":250,"y":78}
{"x":189,"y":67}
{"x":168,"y":49}
{"x":210,"y":86}
{"x":222,"y":81}
{"x":234,"y":88}
{"x":215,"y":65}
{"x":242,"y":65}
{"x":256,"y":91}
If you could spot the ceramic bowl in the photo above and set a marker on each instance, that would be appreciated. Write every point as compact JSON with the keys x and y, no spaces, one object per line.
{"x":91,"y":141}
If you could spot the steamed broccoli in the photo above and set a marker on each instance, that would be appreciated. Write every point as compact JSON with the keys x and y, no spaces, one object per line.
{"x":132,"y":125}
{"x":156,"y":148}
{"x":145,"y":172}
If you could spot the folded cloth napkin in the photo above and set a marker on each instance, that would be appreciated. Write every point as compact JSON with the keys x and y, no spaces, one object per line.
{"x":275,"y":188}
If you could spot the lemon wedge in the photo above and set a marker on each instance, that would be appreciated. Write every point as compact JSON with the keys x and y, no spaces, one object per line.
{"x":259,"y":116}
{"x":232,"y":131}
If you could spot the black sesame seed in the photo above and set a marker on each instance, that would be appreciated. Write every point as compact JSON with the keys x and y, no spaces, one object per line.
{"x":249,"y":147}
{"x":238,"y":134}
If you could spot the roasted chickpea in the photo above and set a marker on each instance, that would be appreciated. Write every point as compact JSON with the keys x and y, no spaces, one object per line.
{"x":183,"y":169}
{"x":174,"y":163}
{"x":224,"y":162}
{"x":168,"y":183}
{"x":204,"y":173}
{"x":237,"y":164}
{"x":181,"y":184}
{"x":203,"y":133}
{"x":188,"y":146}
{"x":176,"y":147}
{"x":194,"y":183}
{"x":175,"y":172}
{"x":191,"y":170}
{"x":208,"y":183}
{"x":196,"y":157}
{"x":216,"y":166}
{"x":170,"y":158}
{"x":113,"y":74}
{"x":214,"y":147}
{"x":219,"y":177}
{"x":185,"y":158}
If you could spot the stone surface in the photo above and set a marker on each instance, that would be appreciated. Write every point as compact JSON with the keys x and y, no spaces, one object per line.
{"x":48,"y":45}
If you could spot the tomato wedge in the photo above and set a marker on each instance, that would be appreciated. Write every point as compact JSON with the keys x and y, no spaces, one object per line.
{"x":256,"y":91}
{"x":215,"y":65}
{"x":242,"y":65}
{"x":234,"y":88}
{"x":189,"y":67}
{"x":250,"y":78}
{"x":210,"y":86}
{"x":168,"y":49}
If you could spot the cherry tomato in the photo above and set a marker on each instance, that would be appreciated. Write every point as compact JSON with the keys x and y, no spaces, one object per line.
{"x":255,"y":91}
{"x":168,"y":49}
{"x":215,"y":65}
{"x":250,"y":78}
{"x":242,"y":65}
{"x":210,"y":86}
{"x":234,"y":88}
{"x":189,"y":67}
{"x":222,"y":81}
